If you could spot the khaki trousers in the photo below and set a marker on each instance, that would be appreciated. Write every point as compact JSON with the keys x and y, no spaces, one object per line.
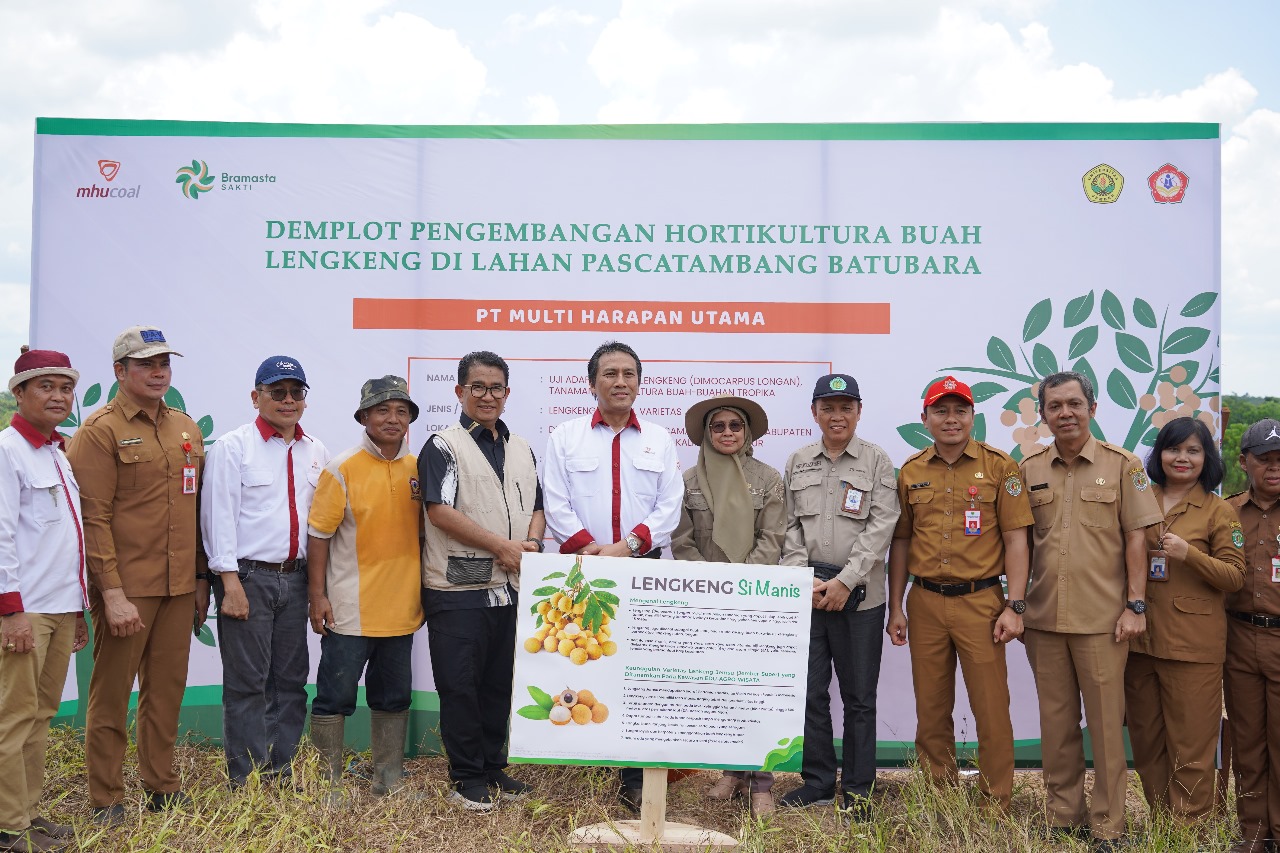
{"x":30,"y":691}
{"x":1252,"y":674}
{"x":1069,"y":668}
{"x":940,"y":630}
{"x":157,"y":656}
{"x":1174,"y":711}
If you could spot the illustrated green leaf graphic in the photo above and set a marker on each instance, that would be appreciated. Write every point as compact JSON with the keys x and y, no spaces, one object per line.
{"x":928,"y":385}
{"x":1149,"y":438}
{"x":1121,"y":391}
{"x":1143,"y":314}
{"x":1078,"y":310}
{"x":1112,"y":310}
{"x":999,"y":353}
{"x":1083,"y":341}
{"x":553,"y":576}
{"x":582,"y":594}
{"x":115,"y":388}
{"x":1043,"y":360}
{"x":1192,"y":367}
{"x":173,"y":399}
{"x":206,"y":636}
{"x":1213,"y":376}
{"x":70,"y":423}
{"x":1095,"y":429}
{"x":1185,"y":340}
{"x":603,"y":583}
{"x":608,"y":609}
{"x":915,"y":435}
{"x":591,"y":616}
{"x":1013,"y":402}
{"x":983,"y":391}
{"x":92,"y":394}
{"x":608,"y":597}
{"x":546,"y":590}
{"x":980,"y":427}
{"x":534,"y":712}
{"x":1083,"y":366}
{"x":533,"y":608}
{"x":537,"y":623}
{"x":1037,"y":320}
{"x":1016,"y":453}
{"x":541,"y":697}
{"x":1134,"y":353}
{"x":206,"y":425}
{"x":1199,"y":304}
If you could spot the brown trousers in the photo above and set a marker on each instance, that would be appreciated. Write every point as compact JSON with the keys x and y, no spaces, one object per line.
{"x":941,"y":629}
{"x":1069,"y":668}
{"x":1252,"y":674}
{"x":1174,"y":711}
{"x":157,"y":656}
{"x":30,"y":691}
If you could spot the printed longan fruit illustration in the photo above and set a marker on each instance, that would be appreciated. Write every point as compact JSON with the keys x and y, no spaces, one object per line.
{"x":573,"y":629}
{"x":586,"y":697}
{"x":579,"y":608}
{"x":553,"y":616}
{"x":581,"y":642}
{"x":581,"y":714}
{"x":566,"y":646}
{"x":543,"y":607}
{"x":550,"y":644}
{"x":599,"y":712}
{"x":609,"y":647}
{"x":578,"y":656}
{"x":567,"y":698}
{"x":560,"y":715}
{"x":541,"y":633}
{"x":533,"y":645}
{"x":594,"y":652}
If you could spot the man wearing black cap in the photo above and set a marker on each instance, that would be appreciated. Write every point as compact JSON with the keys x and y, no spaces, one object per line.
{"x":258,"y":484}
{"x":1252,"y":669}
{"x":842,"y":505}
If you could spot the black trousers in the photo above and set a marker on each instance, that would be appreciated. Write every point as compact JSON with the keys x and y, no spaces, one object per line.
{"x":472,"y":656}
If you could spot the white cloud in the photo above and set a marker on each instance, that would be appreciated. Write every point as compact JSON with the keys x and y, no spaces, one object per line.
{"x":542,"y":109}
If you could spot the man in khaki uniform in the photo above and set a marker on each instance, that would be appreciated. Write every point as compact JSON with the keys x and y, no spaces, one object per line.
{"x":963,"y":525}
{"x":1092,"y":503}
{"x":842,"y":505}
{"x":1252,"y":669}
{"x":138,"y":463}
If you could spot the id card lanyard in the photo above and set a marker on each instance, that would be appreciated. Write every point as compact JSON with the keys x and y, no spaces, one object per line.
{"x":1159,"y":566}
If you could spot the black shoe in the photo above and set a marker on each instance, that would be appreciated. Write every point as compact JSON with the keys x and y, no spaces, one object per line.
{"x":112,"y":815}
{"x":508,"y":788}
{"x":172,"y":801}
{"x":474,"y":797}
{"x":630,"y":798}
{"x":856,"y":808}
{"x":804,"y":797}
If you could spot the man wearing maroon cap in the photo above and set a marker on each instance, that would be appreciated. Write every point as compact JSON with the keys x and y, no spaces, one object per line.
{"x":42,"y":591}
{"x":963,"y":525}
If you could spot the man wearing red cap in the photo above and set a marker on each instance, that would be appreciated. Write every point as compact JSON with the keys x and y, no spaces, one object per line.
{"x":42,"y":590}
{"x":963,"y":525}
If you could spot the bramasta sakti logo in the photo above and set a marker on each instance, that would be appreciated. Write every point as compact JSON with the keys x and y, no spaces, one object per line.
{"x":195,"y":179}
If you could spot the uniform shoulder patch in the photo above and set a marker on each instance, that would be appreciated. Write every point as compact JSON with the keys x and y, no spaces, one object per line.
{"x":1013,"y":485}
{"x":1237,"y":535}
{"x":1139,"y":477}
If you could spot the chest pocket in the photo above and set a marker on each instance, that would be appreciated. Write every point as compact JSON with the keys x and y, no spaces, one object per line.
{"x":1098,"y":507}
{"x":1044,"y":508}
{"x":582,"y":475}
{"x":860,"y":482}
{"x":129,"y":471}
{"x":648,"y":470}
{"x":696,"y":502}
{"x":806,"y":493}
{"x":257,"y":477}
{"x":47,"y":498}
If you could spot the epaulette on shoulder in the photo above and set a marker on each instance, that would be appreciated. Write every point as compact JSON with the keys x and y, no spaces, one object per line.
{"x":913,"y":457}
{"x":98,"y":415}
{"x":1236,"y":495}
{"x":1041,"y":449}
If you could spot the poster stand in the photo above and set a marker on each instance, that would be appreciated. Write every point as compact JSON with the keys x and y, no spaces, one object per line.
{"x":652,"y":828}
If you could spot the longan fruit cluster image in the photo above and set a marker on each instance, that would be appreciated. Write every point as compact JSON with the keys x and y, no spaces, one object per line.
{"x":567,"y":706}
{"x":574,"y":619}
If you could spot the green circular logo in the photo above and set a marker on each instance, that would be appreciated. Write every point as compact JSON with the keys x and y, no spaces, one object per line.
{"x":838,"y":384}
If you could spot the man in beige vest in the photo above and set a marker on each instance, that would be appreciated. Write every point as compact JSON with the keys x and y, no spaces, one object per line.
{"x":484,"y":510}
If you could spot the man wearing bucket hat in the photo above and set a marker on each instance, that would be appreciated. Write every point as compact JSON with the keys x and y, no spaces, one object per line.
{"x":963,"y":525}
{"x":139,"y":463}
{"x":842,"y":504}
{"x":259,"y":480}
{"x":42,"y":590}
{"x":364,"y":583}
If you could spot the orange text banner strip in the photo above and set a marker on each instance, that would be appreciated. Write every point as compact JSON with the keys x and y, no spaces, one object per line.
{"x":830,"y":318}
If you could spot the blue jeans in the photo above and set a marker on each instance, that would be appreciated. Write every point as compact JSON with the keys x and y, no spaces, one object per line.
{"x":388,"y":683}
{"x":264,"y":672}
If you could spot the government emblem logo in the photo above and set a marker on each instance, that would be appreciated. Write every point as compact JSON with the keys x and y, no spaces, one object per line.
{"x":838,"y":384}
{"x":1139,"y":478}
{"x":1168,"y":184}
{"x":1103,"y":184}
{"x":1013,"y":485}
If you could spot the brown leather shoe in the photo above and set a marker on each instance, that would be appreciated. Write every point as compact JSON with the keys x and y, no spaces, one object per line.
{"x":726,"y":788}
{"x":30,"y":841}
{"x":53,"y":830}
{"x":762,"y":803}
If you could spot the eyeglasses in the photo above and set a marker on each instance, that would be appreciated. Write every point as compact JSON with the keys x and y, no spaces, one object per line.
{"x":733,"y":426}
{"x":498,"y":391}
{"x":278,"y":394}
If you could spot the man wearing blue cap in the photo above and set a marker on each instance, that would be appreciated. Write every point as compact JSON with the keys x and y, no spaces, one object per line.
{"x":258,"y":484}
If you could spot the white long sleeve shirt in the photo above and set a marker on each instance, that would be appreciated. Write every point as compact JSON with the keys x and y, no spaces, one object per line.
{"x":256,"y":495}
{"x":41,"y":531}
{"x":599,"y":486}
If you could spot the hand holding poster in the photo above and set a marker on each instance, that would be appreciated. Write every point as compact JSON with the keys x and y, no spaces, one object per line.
{"x":658,"y":663}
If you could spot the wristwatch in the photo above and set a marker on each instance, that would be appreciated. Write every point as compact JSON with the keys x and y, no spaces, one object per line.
{"x":1018,"y":605}
{"x":537,"y":543}
{"x":634,"y":543}
{"x":1137,"y":606}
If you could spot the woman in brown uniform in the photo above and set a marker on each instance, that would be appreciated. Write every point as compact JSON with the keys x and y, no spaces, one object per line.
{"x":1173,"y":680}
{"x":733,"y":512}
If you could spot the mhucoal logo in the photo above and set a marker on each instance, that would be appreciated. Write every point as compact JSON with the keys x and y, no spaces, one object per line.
{"x":109,"y":170}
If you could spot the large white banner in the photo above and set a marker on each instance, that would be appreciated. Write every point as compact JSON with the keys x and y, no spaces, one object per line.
{"x":734,"y":258}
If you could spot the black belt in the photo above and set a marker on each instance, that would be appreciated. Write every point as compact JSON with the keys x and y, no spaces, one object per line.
{"x":1258,"y":620}
{"x":651,"y":555}
{"x":284,"y":566}
{"x":950,"y":589}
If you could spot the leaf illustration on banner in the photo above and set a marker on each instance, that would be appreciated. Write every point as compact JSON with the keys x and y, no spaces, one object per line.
{"x":1185,"y":340}
{"x":1134,"y":353}
{"x":1112,"y":310}
{"x":1082,"y":365}
{"x":1043,"y":360}
{"x":173,"y":399}
{"x":1014,"y":403}
{"x":534,"y":712}
{"x":983,"y":391}
{"x":915,"y":435}
{"x":1191,"y":368}
{"x":1150,"y":438}
{"x":1078,"y":310}
{"x":1213,"y":376}
{"x":1143,"y":314}
{"x":999,"y":353}
{"x":1083,"y":341}
{"x":206,"y":426}
{"x":1199,"y":304}
{"x":206,"y":636}
{"x":92,"y":394}
{"x":541,"y":697}
{"x":979,"y":427}
{"x":776,"y":758}
{"x":1037,"y":320}
{"x":1120,"y":390}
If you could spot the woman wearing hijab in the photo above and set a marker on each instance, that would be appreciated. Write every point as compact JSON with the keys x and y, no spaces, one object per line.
{"x":1173,"y":680}
{"x":733,"y":512}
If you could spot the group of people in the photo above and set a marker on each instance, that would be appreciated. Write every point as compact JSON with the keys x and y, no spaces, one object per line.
{"x":1133,"y":587}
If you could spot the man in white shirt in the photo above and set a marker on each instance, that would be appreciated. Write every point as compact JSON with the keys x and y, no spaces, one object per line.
{"x":258,"y":484}
{"x":611,"y":483}
{"x":42,"y":590}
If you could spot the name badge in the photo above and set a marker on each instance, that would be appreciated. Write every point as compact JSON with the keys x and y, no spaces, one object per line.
{"x":973,"y":522}
{"x":188,"y":479}
{"x":852,"y":500}
{"x":1275,"y":569}
{"x":1159,"y":567}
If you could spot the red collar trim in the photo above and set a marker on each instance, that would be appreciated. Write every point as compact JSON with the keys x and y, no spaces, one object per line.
{"x":632,"y":420}
{"x":32,"y":435}
{"x":267,"y":431}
